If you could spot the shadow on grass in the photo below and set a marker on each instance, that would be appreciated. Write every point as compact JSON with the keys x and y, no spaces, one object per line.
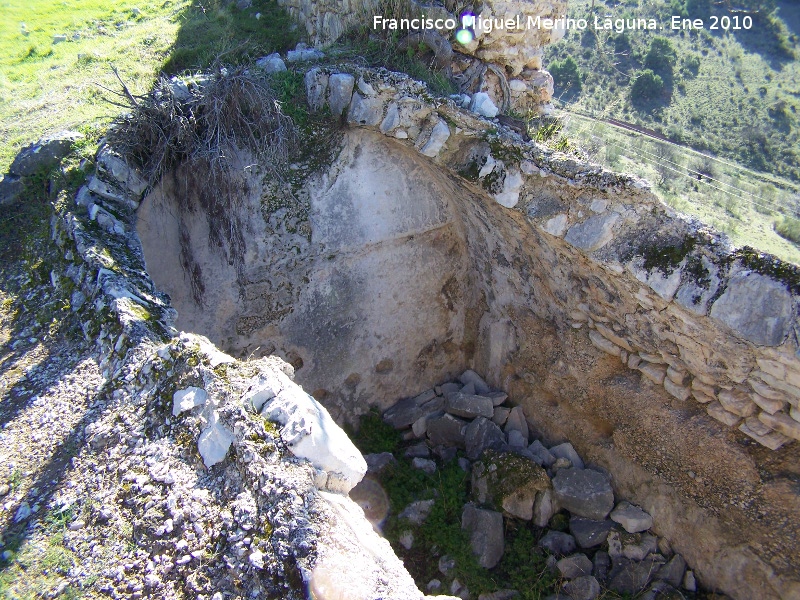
{"x":217,"y":32}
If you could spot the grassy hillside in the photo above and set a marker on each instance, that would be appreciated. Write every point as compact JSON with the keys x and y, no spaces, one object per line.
{"x":735,"y":94}
{"x":56,"y":56}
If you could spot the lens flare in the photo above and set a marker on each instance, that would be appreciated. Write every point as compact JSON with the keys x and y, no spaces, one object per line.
{"x":464,"y":36}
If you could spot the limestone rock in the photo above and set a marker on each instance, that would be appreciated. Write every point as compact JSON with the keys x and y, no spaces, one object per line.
{"x":469,"y":406}
{"x":500,"y":415}
{"x":310,"y":432}
{"x":584,"y":492}
{"x":542,"y":455}
{"x":557,"y":543}
{"x":583,"y":588}
{"x":303,"y":53}
{"x":677,"y":391}
{"x":115,"y":167}
{"x":508,"y":481}
{"x":214,"y":441}
{"x":759,"y":308}
{"x":593,"y":233}
{"x":508,"y":196}
{"x":630,"y":577}
{"x":340,"y":91}
{"x":567,"y":451}
{"x":655,"y":373}
{"x":316,"y":81}
{"x":44,"y":154}
{"x":544,"y":507}
{"x":632,"y":518}
{"x":11,"y":187}
{"x":601,"y":565}
{"x":516,"y":422}
{"x":378,"y":462}
{"x":604,"y":344}
{"x":737,"y":402}
{"x":589,"y":533}
{"x":365,"y":111}
{"x":439,"y":135}
{"x":574,"y":566}
{"x":673,"y":571}
{"x":417,"y":512}
{"x":424,"y":464}
{"x":482,"y":434}
{"x":783,"y":423}
{"x":497,"y":397}
{"x":482,"y":104}
{"x":764,"y":435}
{"x":272,"y":63}
{"x":187,"y":399}
{"x":716,"y":410}
{"x":446,"y":430}
{"x":263,"y":388}
{"x":638,"y":547}
{"x":486,"y":534}
{"x":481,"y":387}
{"x":407,"y":411}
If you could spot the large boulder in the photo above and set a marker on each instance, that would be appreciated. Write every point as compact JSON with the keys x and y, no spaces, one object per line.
{"x":485,"y":529}
{"x":757,"y":307}
{"x":310,"y":432}
{"x":469,"y":406}
{"x":44,"y":154}
{"x":509,"y":482}
{"x":446,"y":430}
{"x":408,"y":410}
{"x":584,"y":492}
{"x":482,"y":434}
{"x":588,"y":532}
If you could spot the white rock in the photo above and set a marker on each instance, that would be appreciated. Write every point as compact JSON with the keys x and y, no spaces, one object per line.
{"x":631,"y":517}
{"x":482,"y":104}
{"x":256,"y":559}
{"x":557,"y":225}
{"x":187,"y":399}
{"x":439,"y":135}
{"x":214,"y":441}
{"x":272,"y":63}
{"x":512,"y":185}
{"x":311,"y":433}
{"x":262,"y":388}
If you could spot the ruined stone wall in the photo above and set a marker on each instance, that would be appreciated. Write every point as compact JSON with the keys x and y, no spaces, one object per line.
{"x":515,"y":80}
{"x":638,"y":332}
{"x":663,"y":355}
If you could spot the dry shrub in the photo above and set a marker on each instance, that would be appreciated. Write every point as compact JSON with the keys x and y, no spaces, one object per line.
{"x":199,"y":137}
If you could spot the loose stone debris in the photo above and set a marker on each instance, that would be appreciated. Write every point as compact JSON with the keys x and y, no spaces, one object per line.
{"x":595,"y":542}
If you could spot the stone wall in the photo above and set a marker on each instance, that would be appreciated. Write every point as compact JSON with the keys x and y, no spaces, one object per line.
{"x":662,"y":354}
{"x":516,"y":78}
{"x":242,"y":458}
{"x":639,"y":332}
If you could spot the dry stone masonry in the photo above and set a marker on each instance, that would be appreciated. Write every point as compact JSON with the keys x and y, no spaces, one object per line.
{"x":682,"y":284}
{"x":508,"y":73}
{"x":636,"y":333}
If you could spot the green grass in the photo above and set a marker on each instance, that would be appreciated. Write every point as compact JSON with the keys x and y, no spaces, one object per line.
{"x":732,"y":94}
{"x":738,"y":201}
{"x":47,"y":87}
{"x":522,"y":566}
